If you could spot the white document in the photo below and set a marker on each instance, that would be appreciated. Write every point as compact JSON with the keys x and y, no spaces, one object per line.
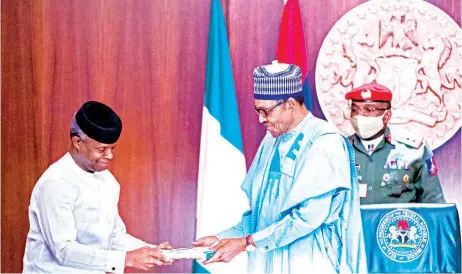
{"x":199,"y":253}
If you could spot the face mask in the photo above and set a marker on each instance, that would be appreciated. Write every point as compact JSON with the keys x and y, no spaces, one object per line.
{"x":366,"y":126}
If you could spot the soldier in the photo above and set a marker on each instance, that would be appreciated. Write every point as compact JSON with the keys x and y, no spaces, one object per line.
{"x":392,"y":167}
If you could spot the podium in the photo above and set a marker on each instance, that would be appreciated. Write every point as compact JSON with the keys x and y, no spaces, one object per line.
{"x":412,"y":238}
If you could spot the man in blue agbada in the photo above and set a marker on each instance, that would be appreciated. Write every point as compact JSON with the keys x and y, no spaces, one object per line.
{"x":302,"y":188}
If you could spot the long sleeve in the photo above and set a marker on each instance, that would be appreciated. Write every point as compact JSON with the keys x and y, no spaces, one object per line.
{"x":235,"y":231}
{"x":298,"y":223}
{"x":55,"y":200}
{"x":430,"y":187}
{"x":327,"y":162}
{"x":121,"y":240}
{"x":238,"y":230}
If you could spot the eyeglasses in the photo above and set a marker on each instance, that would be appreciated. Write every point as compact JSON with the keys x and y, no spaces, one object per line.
{"x":264,"y":112}
{"x":366,"y":110}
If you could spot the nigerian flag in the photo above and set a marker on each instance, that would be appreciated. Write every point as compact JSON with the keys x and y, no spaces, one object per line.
{"x":220,"y":201}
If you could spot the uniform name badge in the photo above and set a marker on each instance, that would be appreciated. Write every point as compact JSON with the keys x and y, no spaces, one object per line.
{"x":362,"y":190}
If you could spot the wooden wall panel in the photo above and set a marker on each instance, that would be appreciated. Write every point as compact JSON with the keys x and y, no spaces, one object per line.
{"x":147,"y":60}
{"x":20,"y":166}
{"x":136,"y":57}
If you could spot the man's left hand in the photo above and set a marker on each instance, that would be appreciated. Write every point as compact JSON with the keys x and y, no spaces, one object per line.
{"x":227,"y":249}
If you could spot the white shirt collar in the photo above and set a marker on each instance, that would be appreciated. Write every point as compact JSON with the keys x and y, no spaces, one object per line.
{"x":72,"y":165}
{"x":371,"y":145}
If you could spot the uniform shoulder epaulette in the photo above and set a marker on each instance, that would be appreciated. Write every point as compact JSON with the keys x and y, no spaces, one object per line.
{"x":406,"y":138}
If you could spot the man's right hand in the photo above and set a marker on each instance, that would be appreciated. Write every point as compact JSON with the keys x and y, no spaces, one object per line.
{"x":205,"y":241}
{"x":145,"y":258}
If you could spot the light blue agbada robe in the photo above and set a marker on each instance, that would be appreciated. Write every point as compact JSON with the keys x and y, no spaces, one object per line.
{"x":304,"y":197}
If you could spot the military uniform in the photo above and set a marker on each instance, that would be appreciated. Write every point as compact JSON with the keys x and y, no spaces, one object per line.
{"x":401,"y":169}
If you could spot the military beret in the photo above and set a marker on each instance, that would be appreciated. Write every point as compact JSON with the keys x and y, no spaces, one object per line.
{"x":370,"y":92}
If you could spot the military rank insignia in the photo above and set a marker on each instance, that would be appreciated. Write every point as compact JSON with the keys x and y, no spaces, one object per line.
{"x":431,"y":166}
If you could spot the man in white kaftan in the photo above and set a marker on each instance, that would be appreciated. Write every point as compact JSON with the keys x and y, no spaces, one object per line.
{"x":74,"y":220}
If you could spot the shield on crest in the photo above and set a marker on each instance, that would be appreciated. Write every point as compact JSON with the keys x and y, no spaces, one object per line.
{"x":399,"y":75}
